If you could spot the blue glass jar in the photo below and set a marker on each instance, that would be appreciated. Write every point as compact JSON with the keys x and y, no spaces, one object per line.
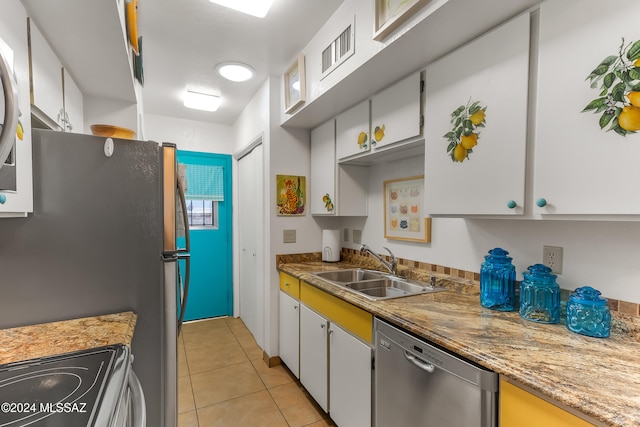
{"x":588,"y":314}
{"x":498,"y":281}
{"x":540,"y":295}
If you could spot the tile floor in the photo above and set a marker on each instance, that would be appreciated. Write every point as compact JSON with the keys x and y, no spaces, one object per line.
{"x":223,"y":382}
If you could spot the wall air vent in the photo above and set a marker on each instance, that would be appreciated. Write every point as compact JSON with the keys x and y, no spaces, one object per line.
{"x":338,"y":51}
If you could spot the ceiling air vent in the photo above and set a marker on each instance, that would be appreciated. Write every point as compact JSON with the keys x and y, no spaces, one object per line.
{"x":338,"y":51}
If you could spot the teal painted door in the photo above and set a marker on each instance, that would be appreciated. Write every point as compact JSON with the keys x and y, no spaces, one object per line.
{"x":211,"y":282}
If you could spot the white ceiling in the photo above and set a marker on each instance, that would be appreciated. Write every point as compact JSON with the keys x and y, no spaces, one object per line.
{"x":184,"y":40}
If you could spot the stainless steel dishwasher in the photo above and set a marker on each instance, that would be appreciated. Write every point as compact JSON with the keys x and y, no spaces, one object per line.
{"x":419,"y":385}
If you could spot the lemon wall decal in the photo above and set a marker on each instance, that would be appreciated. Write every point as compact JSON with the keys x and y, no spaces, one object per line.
{"x":466,"y":121}
{"x":617,"y":78}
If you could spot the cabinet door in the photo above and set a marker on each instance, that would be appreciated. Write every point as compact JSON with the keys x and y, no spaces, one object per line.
{"x":476,"y":125}
{"x":314,"y":355}
{"x":395,"y":112}
{"x":585,"y":161}
{"x":46,"y":78}
{"x":349,"y":379}
{"x":290,"y":333}
{"x":519,"y":408}
{"x":323,"y":169}
{"x":352,"y":131}
{"x":73,"y":105}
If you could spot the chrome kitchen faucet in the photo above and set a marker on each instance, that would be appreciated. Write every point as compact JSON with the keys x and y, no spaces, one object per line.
{"x":390,"y":265}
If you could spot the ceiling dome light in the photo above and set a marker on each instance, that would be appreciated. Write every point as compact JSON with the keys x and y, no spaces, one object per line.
{"x":235,"y":71}
{"x":258,"y":8}
{"x":201,"y":101}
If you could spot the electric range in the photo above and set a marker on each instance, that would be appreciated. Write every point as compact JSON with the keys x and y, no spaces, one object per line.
{"x":76,"y":389}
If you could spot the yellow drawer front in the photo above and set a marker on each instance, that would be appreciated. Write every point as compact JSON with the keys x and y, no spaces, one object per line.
{"x":290,"y":285}
{"x":519,"y":408}
{"x":348,"y":316}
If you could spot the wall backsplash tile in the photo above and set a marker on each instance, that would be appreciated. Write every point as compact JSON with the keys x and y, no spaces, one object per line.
{"x":463,"y":281}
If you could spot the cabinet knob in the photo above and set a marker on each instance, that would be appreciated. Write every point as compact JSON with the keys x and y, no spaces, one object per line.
{"x":330,"y":331}
{"x":511,"y":204}
{"x":286,"y":284}
{"x":3,"y":199}
{"x":541,"y":202}
{"x":322,"y":326}
{"x":295,"y":307}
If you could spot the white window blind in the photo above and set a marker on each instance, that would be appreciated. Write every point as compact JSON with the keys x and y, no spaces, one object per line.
{"x":205,"y":182}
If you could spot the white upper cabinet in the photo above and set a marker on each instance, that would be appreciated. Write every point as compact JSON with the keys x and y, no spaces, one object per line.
{"x":476,"y":125}
{"x":323,"y":166}
{"x":587,"y":126}
{"x":46,"y":80}
{"x":339,"y":190}
{"x":73,"y":105}
{"x":352,"y":131}
{"x":395,"y":112}
{"x":16,"y":179}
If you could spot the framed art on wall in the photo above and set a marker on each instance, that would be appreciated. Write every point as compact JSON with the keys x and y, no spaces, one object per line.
{"x":294,"y":85}
{"x":404,"y":217}
{"x":291,"y":195}
{"x":390,"y":14}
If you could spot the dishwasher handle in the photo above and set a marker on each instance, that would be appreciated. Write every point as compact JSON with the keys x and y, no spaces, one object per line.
{"x":425,"y":366}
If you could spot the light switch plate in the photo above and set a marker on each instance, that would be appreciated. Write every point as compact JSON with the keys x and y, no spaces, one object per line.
{"x":357,"y":236}
{"x":288,"y":236}
{"x":345,"y":235}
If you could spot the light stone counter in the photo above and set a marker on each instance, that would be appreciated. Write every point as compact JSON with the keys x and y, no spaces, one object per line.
{"x":597,"y":377}
{"x":48,"y":339}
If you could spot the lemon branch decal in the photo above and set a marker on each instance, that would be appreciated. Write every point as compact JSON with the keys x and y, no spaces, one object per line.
{"x":618,"y":79}
{"x":466,"y":119}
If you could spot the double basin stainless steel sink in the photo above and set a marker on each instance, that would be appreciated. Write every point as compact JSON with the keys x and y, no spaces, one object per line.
{"x":376,"y":285}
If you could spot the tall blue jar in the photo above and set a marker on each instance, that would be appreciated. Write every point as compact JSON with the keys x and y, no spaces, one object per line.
{"x":588,"y":314}
{"x":498,"y":281}
{"x":540,"y":295}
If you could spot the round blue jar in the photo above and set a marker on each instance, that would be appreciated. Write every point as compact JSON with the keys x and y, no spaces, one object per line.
{"x":498,"y":281}
{"x":540,"y":295}
{"x":588,"y":314}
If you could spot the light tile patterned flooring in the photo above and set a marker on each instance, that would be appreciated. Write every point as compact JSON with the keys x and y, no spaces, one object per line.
{"x":223,"y":382}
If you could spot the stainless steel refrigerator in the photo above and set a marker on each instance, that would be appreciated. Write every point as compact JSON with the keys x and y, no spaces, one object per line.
{"x":102,"y":239}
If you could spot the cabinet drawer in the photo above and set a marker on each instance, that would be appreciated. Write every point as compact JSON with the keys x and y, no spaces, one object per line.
{"x":290,"y":285}
{"x":355,"y":320}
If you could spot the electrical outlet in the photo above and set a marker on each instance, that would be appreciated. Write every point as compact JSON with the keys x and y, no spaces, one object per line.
{"x":357,"y":236}
{"x":552,"y":258}
{"x":345,"y":235}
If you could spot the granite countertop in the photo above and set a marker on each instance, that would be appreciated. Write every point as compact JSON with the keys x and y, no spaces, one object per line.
{"x":48,"y":339}
{"x":599,"y":378}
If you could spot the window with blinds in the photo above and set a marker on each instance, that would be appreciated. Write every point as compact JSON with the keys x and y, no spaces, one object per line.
{"x":204,"y":189}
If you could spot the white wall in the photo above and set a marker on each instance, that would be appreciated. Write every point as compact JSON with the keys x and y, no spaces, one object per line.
{"x":189,"y":134}
{"x":98,"y":110}
{"x":601,"y":254}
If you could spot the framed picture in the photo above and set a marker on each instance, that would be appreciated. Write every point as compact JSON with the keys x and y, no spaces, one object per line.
{"x":389,"y":14}
{"x":404,"y":217}
{"x":291,"y":195}
{"x":294,"y":85}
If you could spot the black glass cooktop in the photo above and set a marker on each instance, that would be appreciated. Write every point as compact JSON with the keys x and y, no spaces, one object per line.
{"x":59,"y":391}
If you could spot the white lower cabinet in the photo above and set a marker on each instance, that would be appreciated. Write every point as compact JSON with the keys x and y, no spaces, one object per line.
{"x":350,"y":382}
{"x":335,"y":368}
{"x":314,"y":356}
{"x":290,"y":333}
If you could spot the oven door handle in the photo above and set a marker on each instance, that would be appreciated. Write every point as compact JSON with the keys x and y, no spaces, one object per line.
{"x":138,"y":406}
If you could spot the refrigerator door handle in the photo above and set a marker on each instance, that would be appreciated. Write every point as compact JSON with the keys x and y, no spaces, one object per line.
{"x":185,"y":288}
{"x":185,"y":217}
